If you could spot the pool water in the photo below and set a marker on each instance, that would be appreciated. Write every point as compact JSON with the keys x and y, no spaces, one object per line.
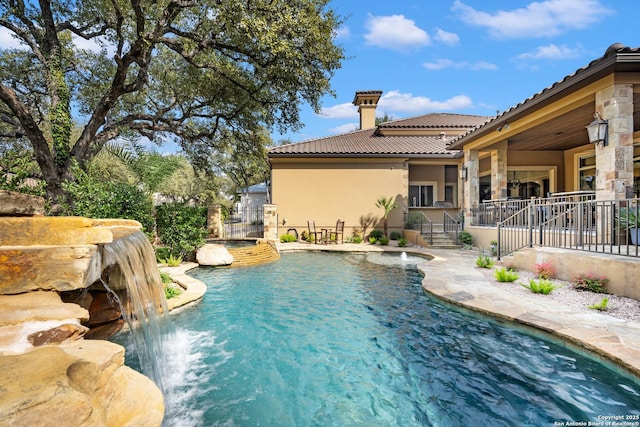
{"x":352,"y":340}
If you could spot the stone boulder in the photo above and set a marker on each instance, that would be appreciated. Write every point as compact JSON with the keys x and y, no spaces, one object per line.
{"x":84,"y":383}
{"x":38,"y":318}
{"x":214,"y":255}
{"x":18,"y":204}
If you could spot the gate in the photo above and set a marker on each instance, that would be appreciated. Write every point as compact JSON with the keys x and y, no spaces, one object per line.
{"x":245,"y":223}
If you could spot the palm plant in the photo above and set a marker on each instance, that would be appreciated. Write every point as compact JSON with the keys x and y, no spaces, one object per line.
{"x":387,"y":205}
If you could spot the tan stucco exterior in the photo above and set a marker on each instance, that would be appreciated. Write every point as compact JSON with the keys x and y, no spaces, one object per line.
{"x":325,"y":190}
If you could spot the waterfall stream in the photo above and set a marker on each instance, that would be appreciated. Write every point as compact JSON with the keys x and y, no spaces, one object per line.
{"x":131,"y":274}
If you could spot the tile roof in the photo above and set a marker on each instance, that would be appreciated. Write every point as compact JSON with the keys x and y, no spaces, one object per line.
{"x":370,"y":143}
{"x":615,"y":55}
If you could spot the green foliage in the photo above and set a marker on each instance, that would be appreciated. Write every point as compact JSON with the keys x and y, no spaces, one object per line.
{"x":354,"y":239}
{"x":373,"y":240}
{"x":376,"y":234}
{"x":602,"y":305}
{"x":541,"y":286}
{"x":171,"y":291}
{"x":484,"y":261}
{"x":387,"y":205}
{"x":505,"y":275}
{"x":545,"y":270}
{"x":171,"y":261}
{"x":402,"y":242}
{"x":413,"y":219}
{"x":181,"y":228}
{"x":591,"y":282}
{"x":94,"y":197}
{"x":383,"y":241}
{"x":629,"y":217}
{"x":465,"y":238}
{"x":395,"y":235}
{"x":165,"y":277}
{"x":226,"y":71}
{"x":286,"y":238}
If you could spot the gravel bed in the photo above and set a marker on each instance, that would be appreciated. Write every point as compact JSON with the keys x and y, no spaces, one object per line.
{"x":619,"y":307}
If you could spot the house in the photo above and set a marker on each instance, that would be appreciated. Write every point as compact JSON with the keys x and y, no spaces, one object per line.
{"x":253,"y":197}
{"x":540,"y":147}
{"x":342,"y":176}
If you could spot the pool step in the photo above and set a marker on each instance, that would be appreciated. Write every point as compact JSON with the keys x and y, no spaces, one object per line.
{"x":251,"y":255}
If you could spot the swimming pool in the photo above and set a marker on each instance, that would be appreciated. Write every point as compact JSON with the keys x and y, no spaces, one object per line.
{"x":352,"y":340}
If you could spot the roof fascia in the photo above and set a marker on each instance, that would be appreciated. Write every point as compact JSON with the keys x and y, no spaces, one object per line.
{"x":595,"y":72}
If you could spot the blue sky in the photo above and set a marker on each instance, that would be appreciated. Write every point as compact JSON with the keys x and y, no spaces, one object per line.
{"x":462,"y":56}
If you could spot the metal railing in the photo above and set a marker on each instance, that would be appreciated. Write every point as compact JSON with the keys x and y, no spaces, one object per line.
{"x":451,"y":226}
{"x":419,"y":221}
{"x":490,"y":212}
{"x":247,"y":222}
{"x":609,"y":226}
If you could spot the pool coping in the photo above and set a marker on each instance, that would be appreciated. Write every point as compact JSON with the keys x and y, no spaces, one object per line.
{"x":452,"y":276}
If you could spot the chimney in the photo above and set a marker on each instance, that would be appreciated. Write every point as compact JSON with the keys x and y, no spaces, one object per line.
{"x":367,"y":101}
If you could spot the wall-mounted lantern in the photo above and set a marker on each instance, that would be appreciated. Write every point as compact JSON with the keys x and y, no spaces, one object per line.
{"x":598,"y":130}
{"x":462,"y":173}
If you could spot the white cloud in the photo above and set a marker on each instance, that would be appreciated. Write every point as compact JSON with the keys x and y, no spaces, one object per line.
{"x":85,"y":44}
{"x":446,"y":37}
{"x":340,"y":111}
{"x":405,"y":102}
{"x":553,"y":52}
{"x":441,"y":64}
{"x":7,"y":41}
{"x":539,"y":19}
{"x":395,"y":32}
{"x":342,"y":32}
{"x":347,"y":127}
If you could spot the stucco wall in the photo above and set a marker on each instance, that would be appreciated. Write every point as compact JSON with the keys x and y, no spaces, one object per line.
{"x":326,"y":190}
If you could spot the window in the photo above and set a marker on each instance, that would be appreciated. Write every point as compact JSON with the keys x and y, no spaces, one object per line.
{"x":421,"y":194}
{"x":587,"y":172}
{"x":449,"y":193}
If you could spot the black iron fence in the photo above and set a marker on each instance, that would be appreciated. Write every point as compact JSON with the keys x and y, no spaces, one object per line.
{"x":244,"y":223}
{"x":604,"y":226}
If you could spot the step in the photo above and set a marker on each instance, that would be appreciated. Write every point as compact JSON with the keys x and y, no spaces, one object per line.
{"x":253,"y":255}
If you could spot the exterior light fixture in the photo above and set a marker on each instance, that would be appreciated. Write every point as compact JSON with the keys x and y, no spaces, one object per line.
{"x":462,"y":173}
{"x":598,"y":130}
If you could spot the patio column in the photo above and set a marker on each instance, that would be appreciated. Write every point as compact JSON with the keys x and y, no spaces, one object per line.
{"x":471,"y":186}
{"x":270,"y":219}
{"x":614,"y":163}
{"x":499,"y":170}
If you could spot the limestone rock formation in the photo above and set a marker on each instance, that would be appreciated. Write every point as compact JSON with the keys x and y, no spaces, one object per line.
{"x":81,"y":384}
{"x":214,"y":255}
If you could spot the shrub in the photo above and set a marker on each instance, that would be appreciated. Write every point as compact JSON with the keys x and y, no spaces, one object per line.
{"x":505,"y":275}
{"x":181,"y":228}
{"x":465,"y":238}
{"x":372,"y":240}
{"x":542,"y":286}
{"x":591,"y":282}
{"x":402,"y":242}
{"x":484,"y":261}
{"x":165,"y":277}
{"x":94,"y":197}
{"x":285,"y":238}
{"x":545,"y":270}
{"x":395,"y":235}
{"x":377,"y":234}
{"x":383,"y":241}
{"x":602,"y":305}
{"x":171,"y":261}
{"x":354,"y":239}
{"x":171,"y":291}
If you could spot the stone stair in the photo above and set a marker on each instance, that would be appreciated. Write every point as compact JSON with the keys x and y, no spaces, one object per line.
{"x":441,"y":240}
{"x":260,"y":253}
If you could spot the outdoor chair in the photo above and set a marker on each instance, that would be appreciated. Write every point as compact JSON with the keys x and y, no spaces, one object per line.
{"x":337,"y":236}
{"x":317,"y":235}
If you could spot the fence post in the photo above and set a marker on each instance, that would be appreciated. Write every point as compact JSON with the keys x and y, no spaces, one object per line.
{"x":270,"y":219}
{"x":214,"y":221}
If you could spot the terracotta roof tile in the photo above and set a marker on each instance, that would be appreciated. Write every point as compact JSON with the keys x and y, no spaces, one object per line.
{"x":369,"y":142}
